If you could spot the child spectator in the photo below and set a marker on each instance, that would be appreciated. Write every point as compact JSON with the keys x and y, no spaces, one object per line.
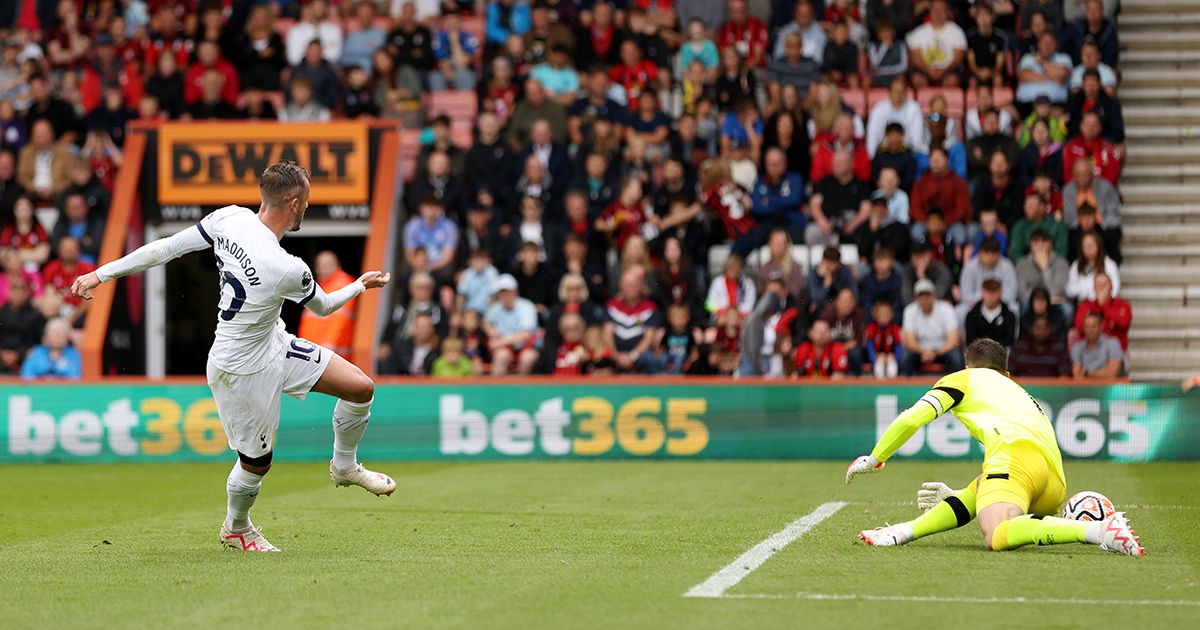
{"x":724,"y":354}
{"x":989,"y":227}
{"x":599,"y":354}
{"x":453,"y":362}
{"x":883,"y":342}
{"x":889,"y":57}
{"x":475,"y":341}
{"x":821,"y":357}
{"x":630,"y":214}
{"x":678,"y":347}
{"x":884,"y":282}
{"x":301,"y":106}
{"x":357,"y":100}
{"x":475,"y":283}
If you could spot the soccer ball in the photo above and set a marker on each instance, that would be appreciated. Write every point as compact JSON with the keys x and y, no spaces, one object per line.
{"x":1088,"y":506}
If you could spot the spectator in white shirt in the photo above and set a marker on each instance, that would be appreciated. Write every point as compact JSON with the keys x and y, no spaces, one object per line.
{"x":313,"y":25}
{"x":937,"y":50}
{"x":1081,"y":279}
{"x":900,"y":108}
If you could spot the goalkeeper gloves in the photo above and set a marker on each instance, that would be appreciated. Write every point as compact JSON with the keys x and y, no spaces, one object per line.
{"x":932,"y":493}
{"x":863,"y":465}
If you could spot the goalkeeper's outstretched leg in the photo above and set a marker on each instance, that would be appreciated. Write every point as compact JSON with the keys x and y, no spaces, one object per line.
{"x":951,"y":512}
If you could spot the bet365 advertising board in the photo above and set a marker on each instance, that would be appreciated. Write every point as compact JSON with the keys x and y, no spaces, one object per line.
{"x":494,"y":421}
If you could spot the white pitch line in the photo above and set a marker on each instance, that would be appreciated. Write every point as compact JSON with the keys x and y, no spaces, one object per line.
{"x":966,"y":600}
{"x":734,"y":572}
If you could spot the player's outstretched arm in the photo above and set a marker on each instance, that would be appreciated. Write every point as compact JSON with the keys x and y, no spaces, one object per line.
{"x":934,"y":403}
{"x":149,"y":255}
{"x":324,"y":304}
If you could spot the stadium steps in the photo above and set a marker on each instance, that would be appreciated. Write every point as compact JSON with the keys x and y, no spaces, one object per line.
{"x":1160,"y":95}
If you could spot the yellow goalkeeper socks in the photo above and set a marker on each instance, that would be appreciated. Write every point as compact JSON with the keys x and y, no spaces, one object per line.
{"x":1032,"y":529}
{"x":953,"y":512}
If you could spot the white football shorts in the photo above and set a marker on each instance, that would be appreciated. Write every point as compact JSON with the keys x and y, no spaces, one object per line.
{"x":248,"y":404}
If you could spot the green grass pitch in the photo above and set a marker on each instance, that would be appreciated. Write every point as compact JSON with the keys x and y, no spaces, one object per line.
{"x":553,"y":545}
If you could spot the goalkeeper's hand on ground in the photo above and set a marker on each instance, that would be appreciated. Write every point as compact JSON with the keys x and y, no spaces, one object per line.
{"x":932,"y":493}
{"x":862,"y":465}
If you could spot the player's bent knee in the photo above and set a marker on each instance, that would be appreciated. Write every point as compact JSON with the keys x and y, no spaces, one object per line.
{"x":361,"y":389}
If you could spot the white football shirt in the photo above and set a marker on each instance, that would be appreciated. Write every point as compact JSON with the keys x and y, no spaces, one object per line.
{"x":256,"y":276}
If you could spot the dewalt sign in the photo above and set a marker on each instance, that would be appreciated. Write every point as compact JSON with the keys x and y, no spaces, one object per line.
{"x":220,"y":163}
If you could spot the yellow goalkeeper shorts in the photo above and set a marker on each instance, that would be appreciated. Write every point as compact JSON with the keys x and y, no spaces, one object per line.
{"x":1018,"y":473}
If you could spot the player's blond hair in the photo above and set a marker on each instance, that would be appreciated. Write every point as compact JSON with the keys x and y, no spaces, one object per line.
{"x":282,"y":181}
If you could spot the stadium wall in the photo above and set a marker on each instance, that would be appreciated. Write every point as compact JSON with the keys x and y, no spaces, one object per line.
{"x":578,"y":419}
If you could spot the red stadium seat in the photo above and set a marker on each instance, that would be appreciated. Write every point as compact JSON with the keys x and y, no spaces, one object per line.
{"x":410,"y":147}
{"x":459,"y":105}
{"x":475,"y":26}
{"x":857,"y":100}
{"x":462,"y":133}
{"x":1002,"y":96}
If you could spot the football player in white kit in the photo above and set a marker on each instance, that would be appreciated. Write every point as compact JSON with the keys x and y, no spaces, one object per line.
{"x":253,"y":358}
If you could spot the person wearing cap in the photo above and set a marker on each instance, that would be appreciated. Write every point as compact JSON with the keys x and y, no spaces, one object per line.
{"x":930,"y":334}
{"x":511,"y":324}
{"x":923,"y":266}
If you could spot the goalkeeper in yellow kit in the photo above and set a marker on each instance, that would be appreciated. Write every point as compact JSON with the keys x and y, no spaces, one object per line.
{"x":1022,"y":481}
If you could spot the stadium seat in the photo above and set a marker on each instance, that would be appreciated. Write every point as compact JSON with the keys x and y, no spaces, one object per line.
{"x":462,"y":132}
{"x":857,"y":100}
{"x":459,"y":105}
{"x":716,"y":258}
{"x":410,"y":147}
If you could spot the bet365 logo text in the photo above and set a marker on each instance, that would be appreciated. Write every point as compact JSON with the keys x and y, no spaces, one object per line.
{"x":157,"y":426}
{"x":1081,"y":425}
{"x":641,"y":426}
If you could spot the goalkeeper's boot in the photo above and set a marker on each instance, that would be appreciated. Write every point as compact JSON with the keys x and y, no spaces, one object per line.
{"x":890,"y":536}
{"x":378,"y":484}
{"x":1116,"y":536}
{"x":249,"y":539}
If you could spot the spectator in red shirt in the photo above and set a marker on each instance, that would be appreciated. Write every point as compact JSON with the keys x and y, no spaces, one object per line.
{"x":628,"y":215}
{"x":1105,"y":156}
{"x":727,"y":200}
{"x":572,"y":357}
{"x":821,"y":357}
{"x":883,"y":340}
{"x":208,"y":57}
{"x":842,"y":139}
{"x":62,"y":271}
{"x":26,"y":236}
{"x":635,"y":74}
{"x":1115,"y":313}
{"x":943,"y":189}
{"x":745,"y":33}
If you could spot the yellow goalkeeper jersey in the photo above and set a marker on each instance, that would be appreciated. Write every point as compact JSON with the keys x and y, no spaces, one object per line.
{"x":991,"y":405}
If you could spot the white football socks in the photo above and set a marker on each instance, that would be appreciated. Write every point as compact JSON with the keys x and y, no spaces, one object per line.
{"x":349,"y":422}
{"x":242,"y":488}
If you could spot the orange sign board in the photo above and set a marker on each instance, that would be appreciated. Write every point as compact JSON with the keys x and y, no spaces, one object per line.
{"x":220,"y":163}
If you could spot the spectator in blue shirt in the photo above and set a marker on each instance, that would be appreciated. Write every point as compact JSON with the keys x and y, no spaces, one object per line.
{"x":432,"y":232}
{"x":506,"y":17}
{"x":454,"y":52}
{"x":360,"y":46}
{"x":558,"y":77}
{"x":511,"y":324}
{"x":54,"y":357}
{"x":778,"y":194}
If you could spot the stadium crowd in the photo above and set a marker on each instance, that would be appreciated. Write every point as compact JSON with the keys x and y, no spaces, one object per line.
{"x":789,"y":188}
